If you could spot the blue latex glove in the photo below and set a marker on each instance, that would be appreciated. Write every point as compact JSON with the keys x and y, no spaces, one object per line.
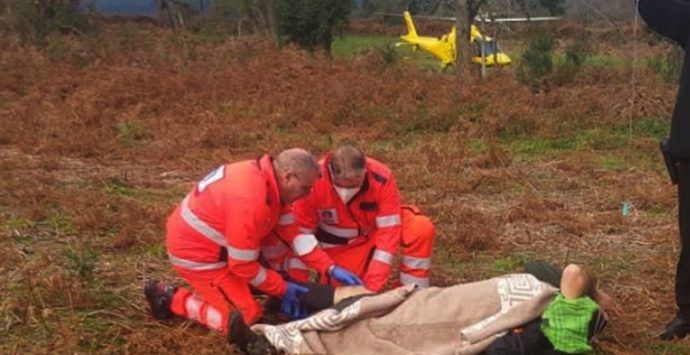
{"x":291,"y":305}
{"x":343,"y":276}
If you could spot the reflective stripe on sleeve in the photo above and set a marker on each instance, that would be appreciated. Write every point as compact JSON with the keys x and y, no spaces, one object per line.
{"x":304,"y":244}
{"x":200,"y":226}
{"x":306,"y":230}
{"x":339,"y":232}
{"x":329,"y":245}
{"x":293,"y":263}
{"x":259,"y":278}
{"x":416,"y":263}
{"x":388,"y":221}
{"x":286,"y":219}
{"x":195,"y":265}
{"x":243,"y":254}
{"x":383,"y":256}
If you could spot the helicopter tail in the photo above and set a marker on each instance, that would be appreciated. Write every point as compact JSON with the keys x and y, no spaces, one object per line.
{"x":412,"y":32}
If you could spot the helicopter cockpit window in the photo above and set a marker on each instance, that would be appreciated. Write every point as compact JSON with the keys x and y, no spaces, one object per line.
{"x":490,"y":48}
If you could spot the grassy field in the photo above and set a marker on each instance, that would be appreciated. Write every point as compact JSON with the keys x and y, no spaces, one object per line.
{"x":102,"y":135}
{"x":353,"y":45}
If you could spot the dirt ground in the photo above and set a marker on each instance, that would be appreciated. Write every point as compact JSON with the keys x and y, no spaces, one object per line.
{"x":101,"y":136}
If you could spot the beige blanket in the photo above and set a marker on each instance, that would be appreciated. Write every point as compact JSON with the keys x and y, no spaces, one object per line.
{"x":462,"y":319}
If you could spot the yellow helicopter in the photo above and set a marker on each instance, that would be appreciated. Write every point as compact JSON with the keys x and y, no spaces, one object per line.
{"x":443,"y":47}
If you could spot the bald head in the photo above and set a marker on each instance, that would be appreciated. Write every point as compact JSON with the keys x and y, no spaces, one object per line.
{"x":296,"y":171}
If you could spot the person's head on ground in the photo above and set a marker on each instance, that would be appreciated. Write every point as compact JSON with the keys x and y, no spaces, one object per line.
{"x":296,"y":171}
{"x":577,"y":281}
{"x":348,"y":170}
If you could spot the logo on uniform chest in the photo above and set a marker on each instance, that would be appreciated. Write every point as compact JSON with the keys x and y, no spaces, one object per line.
{"x":329,"y":215}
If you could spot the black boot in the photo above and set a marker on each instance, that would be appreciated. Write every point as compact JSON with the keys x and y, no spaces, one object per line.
{"x":678,"y":328}
{"x":245,"y":339}
{"x":160,"y":297}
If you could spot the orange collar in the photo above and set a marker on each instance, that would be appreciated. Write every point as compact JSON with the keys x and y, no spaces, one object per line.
{"x":265,"y":164}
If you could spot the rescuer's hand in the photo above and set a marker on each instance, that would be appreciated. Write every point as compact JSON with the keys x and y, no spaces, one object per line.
{"x":344,"y":276}
{"x":291,"y":305}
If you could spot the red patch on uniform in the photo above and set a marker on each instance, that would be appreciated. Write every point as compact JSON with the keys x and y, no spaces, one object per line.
{"x":329,"y":216}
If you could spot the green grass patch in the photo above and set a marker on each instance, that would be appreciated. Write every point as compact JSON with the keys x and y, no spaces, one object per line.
{"x":592,"y":59}
{"x":350,"y":45}
{"x":96,"y":325}
{"x":607,"y":60}
{"x":658,"y":210}
{"x":669,"y":348}
{"x":539,"y":146}
{"x":650,"y":127}
{"x":119,"y":186}
{"x":602,"y":139}
{"x":106,"y":297}
{"x":157,"y":251}
{"x":479,"y":265}
{"x":478,"y":146}
{"x":511,"y":263}
{"x":60,"y":222}
{"x":129,"y":133}
{"x":612,"y":138}
{"x":606,"y":265}
{"x":81,"y":261}
{"x":17,"y":223}
{"x":611,"y":162}
{"x":16,"y":226}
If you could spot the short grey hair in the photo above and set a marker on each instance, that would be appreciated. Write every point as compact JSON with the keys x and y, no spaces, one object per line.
{"x":297,"y":160}
{"x":347,"y":162}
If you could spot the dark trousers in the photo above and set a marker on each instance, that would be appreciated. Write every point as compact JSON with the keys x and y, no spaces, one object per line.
{"x":683,"y":269}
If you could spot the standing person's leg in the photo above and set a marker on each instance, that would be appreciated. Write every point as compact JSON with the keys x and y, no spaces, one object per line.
{"x":680,"y":326}
{"x":683,"y":269}
{"x":417,"y":243}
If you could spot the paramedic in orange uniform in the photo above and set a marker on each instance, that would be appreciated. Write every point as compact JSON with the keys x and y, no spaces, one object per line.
{"x":355,"y":212}
{"x":214,"y":238}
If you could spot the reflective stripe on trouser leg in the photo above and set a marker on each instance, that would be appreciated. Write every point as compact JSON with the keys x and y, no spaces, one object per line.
{"x":193,"y":306}
{"x":223,"y":290}
{"x":204,"y":313}
{"x":417,"y":240}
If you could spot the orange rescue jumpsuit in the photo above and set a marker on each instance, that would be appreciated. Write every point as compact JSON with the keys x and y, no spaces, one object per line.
{"x":364,"y":235}
{"x":214,"y":238}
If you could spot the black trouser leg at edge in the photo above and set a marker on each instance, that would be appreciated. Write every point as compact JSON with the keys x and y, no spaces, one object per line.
{"x":683,"y":269}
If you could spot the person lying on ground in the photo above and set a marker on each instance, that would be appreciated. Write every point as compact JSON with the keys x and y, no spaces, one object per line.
{"x":512,"y":314}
